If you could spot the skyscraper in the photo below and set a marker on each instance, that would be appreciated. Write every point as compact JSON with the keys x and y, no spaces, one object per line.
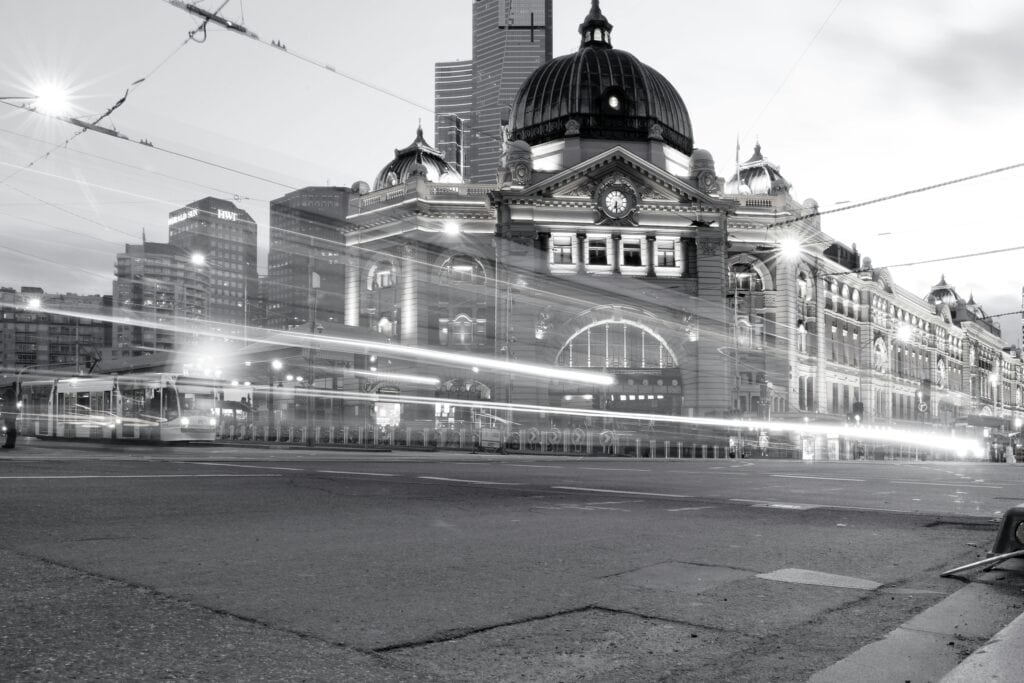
{"x":511,"y":38}
{"x":225,"y":236}
{"x":159,"y":286}
{"x":305,"y":239}
{"x":453,"y":110}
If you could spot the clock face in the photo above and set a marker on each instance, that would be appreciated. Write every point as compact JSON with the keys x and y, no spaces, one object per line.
{"x":616,"y":200}
{"x":616,"y":203}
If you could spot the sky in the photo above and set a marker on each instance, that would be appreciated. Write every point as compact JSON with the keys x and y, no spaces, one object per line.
{"x":855,"y":100}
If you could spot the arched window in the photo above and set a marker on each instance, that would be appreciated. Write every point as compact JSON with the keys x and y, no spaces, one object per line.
{"x":616,"y":344}
{"x":382,"y":275}
{"x":744,"y":278}
{"x":461,"y":270}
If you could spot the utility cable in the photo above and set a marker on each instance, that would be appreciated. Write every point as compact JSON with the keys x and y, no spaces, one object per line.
{"x":185,"y":181}
{"x":789,"y":73}
{"x":147,"y":143}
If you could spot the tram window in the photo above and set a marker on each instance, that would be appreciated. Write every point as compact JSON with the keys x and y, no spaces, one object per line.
{"x":170,"y":403}
{"x":133,"y":402}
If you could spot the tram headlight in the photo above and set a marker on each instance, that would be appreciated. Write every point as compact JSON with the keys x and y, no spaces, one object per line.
{"x":184,"y":422}
{"x":213,"y":422}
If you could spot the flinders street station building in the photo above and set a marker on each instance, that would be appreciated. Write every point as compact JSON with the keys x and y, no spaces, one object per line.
{"x":611,"y":243}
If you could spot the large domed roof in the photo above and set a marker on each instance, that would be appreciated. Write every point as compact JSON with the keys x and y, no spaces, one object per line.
{"x":419,"y":157}
{"x":599,"y":92}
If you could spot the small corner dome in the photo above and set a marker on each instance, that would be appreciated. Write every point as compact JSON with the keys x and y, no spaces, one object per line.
{"x":943,"y":293}
{"x":758,"y":176}
{"x":602,"y":93}
{"x":701,"y":159}
{"x":418,"y":159}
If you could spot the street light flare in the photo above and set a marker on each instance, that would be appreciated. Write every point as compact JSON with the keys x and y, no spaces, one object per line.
{"x":51,"y":99}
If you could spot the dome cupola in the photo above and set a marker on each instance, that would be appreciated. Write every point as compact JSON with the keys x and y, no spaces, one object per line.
{"x":418,"y":159}
{"x":599,"y":93}
{"x":758,"y":176}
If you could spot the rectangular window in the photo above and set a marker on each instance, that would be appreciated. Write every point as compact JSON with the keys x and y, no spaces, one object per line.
{"x":631,"y":254}
{"x":597,"y":253}
{"x":666,"y":255}
{"x":561,"y":250}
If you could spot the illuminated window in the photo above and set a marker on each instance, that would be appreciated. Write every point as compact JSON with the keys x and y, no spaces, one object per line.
{"x":561,"y":250}
{"x":666,"y":255}
{"x":743,"y":278}
{"x":461,"y":269}
{"x":382,"y":276}
{"x":616,"y":345}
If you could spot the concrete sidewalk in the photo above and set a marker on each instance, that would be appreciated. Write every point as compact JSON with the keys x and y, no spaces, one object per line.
{"x":1001,"y":659}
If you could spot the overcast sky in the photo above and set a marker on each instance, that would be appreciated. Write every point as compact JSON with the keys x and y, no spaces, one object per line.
{"x":854,"y":100}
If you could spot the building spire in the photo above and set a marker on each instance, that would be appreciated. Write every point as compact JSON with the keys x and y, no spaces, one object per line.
{"x":595,"y":31}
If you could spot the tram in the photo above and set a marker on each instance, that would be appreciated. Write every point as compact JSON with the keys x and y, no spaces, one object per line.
{"x":133,"y":407}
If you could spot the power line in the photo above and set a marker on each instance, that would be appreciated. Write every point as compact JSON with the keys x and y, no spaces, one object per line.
{"x":147,"y":143}
{"x":149,"y":171}
{"x":102,"y":116}
{"x":792,"y":69}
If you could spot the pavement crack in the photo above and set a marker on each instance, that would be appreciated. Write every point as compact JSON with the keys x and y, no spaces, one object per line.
{"x":169,"y":597}
{"x":457,"y":633}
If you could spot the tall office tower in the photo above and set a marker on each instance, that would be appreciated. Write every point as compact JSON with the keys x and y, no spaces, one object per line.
{"x":225,"y":237}
{"x":305,"y":255}
{"x":161,"y":287}
{"x":453,"y":110}
{"x":511,"y":38}
{"x":68,"y":331}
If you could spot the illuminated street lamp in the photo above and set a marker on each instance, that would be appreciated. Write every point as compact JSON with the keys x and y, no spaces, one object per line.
{"x":46,"y":98}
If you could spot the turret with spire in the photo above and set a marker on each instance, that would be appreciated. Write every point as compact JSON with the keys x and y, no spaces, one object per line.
{"x":596,"y":30}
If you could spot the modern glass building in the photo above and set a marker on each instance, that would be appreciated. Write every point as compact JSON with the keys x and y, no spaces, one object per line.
{"x":225,"y":237}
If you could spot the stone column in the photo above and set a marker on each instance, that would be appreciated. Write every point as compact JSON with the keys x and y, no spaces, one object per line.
{"x":352,"y":291}
{"x":581,"y":252}
{"x":617,"y":253}
{"x":650,"y":254}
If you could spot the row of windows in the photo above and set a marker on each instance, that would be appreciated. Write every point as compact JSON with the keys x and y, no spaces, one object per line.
{"x":600,"y":251}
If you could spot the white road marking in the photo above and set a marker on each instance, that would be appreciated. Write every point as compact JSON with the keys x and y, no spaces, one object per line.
{"x":135,"y":476}
{"x":628,"y":493}
{"x":702,"y":507}
{"x":473,"y":481}
{"x":935,"y":483}
{"x":363,"y":474}
{"x":787,"y":506}
{"x":550,"y":467}
{"x":250,"y":467}
{"x":765,"y":503}
{"x":614,"y":469}
{"x":804,"y":476}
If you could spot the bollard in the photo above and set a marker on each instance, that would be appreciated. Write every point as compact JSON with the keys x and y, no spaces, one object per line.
{"x":668,"y":448}
{"x":703,"y":451}
{"x":637,"y":449}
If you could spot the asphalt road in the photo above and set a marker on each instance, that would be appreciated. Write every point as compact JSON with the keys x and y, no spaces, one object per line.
{"x":224,"y":563}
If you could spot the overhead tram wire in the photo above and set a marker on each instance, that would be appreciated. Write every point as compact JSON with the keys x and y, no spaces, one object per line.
{"x":242,"y":30}
{"x":144,"y":142}
{"x":792,"y":68}
{"x":185,"y":181}
{"x":102,"y":116}
{"x":898,"y":195}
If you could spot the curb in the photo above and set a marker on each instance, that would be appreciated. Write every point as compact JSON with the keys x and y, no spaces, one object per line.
{"x":1000,"y":659}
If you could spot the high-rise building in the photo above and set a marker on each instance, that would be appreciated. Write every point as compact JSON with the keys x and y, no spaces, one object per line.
{"x":161,"y":287}
{"x":453,"y":110}
{"x":225,"y":237}
{"x":305,"y":257}
{"x":40,"y":330}
{"x":511,"y":38}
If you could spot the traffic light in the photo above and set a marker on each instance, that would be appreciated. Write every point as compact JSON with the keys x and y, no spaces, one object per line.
{"x":858,"y":411}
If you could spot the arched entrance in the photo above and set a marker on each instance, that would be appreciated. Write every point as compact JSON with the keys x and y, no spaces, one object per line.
{"x":646,"y":368}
